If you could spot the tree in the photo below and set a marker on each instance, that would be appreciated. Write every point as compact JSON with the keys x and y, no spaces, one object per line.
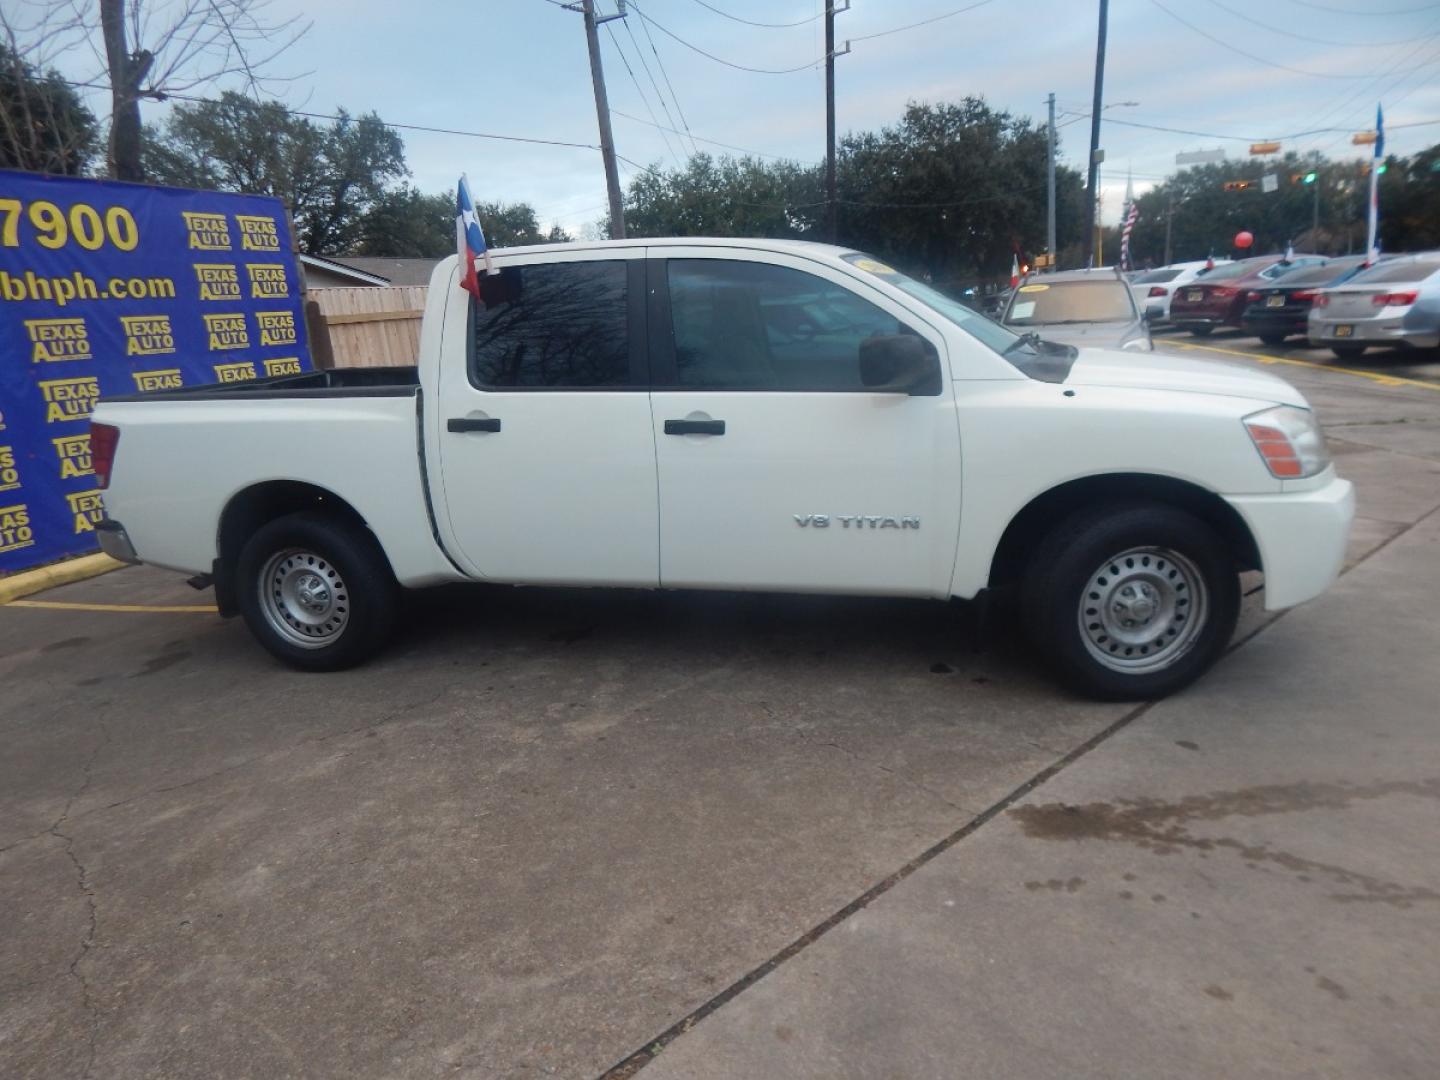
{"x":154,"y":49}
{"x":44,"y":126}
{"x":724,"y":197}
{"x":331,"y":176}
{"x":407,"y":224}
{"x":954,"y":191}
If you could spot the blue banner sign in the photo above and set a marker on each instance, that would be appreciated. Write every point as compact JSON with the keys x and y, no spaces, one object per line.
{"x":108,"y":289}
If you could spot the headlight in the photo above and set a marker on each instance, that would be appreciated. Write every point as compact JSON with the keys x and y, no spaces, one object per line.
{"x":1289,"y":440}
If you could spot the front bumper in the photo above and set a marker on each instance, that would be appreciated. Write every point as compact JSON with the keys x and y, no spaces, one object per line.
{"x":1301,"y":536}
{"x":1392,"y":331}
{"x":115,"y":541}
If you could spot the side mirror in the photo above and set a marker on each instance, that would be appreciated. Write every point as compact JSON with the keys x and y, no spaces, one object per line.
{"x":900,"y":364}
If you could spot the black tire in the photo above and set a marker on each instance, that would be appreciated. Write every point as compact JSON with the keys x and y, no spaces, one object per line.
{"x":363,"y":604}
{"x":1072,"y":559}
{"x":1272,"y":339}
{"x":1202,"y":331}
{"x":1347,"y":352}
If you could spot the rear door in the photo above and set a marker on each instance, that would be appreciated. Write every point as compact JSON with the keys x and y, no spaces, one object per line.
{"x":546,"y":455}
{"x":778,"y":469}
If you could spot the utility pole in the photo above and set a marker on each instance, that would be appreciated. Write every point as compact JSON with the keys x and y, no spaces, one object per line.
{"x":832,"y":227}
{"x":1050,"y":181}
{"x":602,"y":112}
{"x":1315,"y":216}
{"x":1091,"y":191}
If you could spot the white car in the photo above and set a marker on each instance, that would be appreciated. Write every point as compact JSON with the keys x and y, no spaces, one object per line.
{"x":737,"y":414}
{"x":1154,"y":289}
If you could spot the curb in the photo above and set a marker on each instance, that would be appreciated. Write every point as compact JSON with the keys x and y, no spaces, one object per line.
{"x":48,"y":577}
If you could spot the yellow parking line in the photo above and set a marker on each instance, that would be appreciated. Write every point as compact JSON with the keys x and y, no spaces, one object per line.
{"x":170,"y":609}
{"x":1375,"y":376}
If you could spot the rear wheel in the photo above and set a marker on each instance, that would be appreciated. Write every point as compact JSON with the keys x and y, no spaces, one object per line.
{"x":1271,"y":339}
{"x":1347,"y":352}
{"x":317,"y":592}
{"x":1202,"y":331}
{"x":1131,"y":600}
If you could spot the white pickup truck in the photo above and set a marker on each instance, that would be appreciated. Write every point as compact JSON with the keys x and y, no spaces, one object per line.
{"x":741,"y":415}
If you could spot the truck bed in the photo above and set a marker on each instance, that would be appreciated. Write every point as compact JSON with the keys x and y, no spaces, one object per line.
{"x":338,"y":382}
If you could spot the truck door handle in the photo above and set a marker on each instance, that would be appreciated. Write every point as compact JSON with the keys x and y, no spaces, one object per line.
{"x":465,"y":423}
{"x":694,"y":427}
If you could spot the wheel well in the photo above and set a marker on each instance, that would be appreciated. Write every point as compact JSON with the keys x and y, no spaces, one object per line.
{"x":256,"y":506}
{"x":1045,"y":511}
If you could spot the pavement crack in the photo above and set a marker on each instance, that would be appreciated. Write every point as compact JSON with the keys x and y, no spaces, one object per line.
{"x":82,"y":878}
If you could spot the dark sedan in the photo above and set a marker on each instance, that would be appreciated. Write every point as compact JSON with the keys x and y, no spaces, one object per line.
{"x":1282,"y":309}
{"x":1220,"y":299}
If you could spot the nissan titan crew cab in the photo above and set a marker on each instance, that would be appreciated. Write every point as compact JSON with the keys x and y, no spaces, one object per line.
{"x":741,"y":415}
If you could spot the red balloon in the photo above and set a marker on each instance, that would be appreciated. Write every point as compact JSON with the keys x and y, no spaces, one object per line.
{"x":1243,"y":239}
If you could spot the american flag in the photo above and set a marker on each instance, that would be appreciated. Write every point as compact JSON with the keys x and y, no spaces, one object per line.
{"x":1132,"y":214}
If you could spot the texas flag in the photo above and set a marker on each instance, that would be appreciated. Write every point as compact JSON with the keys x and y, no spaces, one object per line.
{"x":470,"y":238}
{"x":1014,"y":271}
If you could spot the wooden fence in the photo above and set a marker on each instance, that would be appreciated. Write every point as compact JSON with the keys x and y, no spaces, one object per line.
{"x":367,"y":327}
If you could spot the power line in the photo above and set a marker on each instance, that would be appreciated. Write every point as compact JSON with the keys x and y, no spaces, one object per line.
{"x":1252,"y":56}
{"x":643,"y":99}
{"x":1352,"y":11}
{"x":197,"y":100}
{"x":1305,"y":37}
{"x":666,"y":76}
{"x":721,"y":60}
{"x":922,"y":22}
{"x":751,"y":22}
{"x":699,"y":138}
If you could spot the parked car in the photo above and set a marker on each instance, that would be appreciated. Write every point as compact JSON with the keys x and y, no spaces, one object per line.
{"x":1394,"y":303}
{"x":668,"y":414}
{"x":1219,"y":299}
{"x":1154,"y":289}
{"x":1080,"y":308}
{"x":1282,"y":308}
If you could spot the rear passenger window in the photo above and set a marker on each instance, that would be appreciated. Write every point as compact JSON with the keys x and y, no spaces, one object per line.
{"x":552,"y":326}
{"x":752,"y":326}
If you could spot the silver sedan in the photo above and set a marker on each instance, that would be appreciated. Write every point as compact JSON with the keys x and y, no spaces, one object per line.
{"x":1394,"y":303}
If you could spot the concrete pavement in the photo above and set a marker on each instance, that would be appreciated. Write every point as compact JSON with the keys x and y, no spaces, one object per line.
{"x":1243,"y":881}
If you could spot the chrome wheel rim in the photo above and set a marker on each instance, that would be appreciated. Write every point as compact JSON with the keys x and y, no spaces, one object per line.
{"x":1142,"y":610}
{"x":304,"y":598}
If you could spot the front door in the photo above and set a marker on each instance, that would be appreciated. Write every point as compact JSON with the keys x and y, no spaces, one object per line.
{"x":778,"y":469}
{"x":547,"y":460}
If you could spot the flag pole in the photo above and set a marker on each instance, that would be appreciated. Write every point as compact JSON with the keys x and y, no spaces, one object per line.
{"x":1372,"y":230}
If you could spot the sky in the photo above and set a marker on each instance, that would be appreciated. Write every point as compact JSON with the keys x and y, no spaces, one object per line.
{"x":1241,"y":70}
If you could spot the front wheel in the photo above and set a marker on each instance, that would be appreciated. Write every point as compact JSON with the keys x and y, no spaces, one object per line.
{"x":316,"y":591}
{"x":1272,"y":339}
{"x":1347,"y":352}
{"x":1131,"y":601}
{"x":1202,"y":331}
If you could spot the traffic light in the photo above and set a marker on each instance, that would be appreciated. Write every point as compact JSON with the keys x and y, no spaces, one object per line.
{"x":1311,"y":177}
{"x":1383,"y":167}
{"x":1239,"y":185}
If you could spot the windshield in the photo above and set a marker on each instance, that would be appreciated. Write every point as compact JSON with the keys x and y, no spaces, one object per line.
{"x":1040,"y":303}
{"x":986,"y":331}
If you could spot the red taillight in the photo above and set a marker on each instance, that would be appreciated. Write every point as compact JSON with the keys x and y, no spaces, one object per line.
{"x":104,"y":439}
{"x":1322,"y":300}
{"x":1252,"y":296}
{"x":1395,"y":299}
{"x":1223,"y":292}
{"x":1159,"y":290}
{"x":1303,"y":294}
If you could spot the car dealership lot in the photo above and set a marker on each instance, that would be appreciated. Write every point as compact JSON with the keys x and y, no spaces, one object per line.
{"x":544,"y":828}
